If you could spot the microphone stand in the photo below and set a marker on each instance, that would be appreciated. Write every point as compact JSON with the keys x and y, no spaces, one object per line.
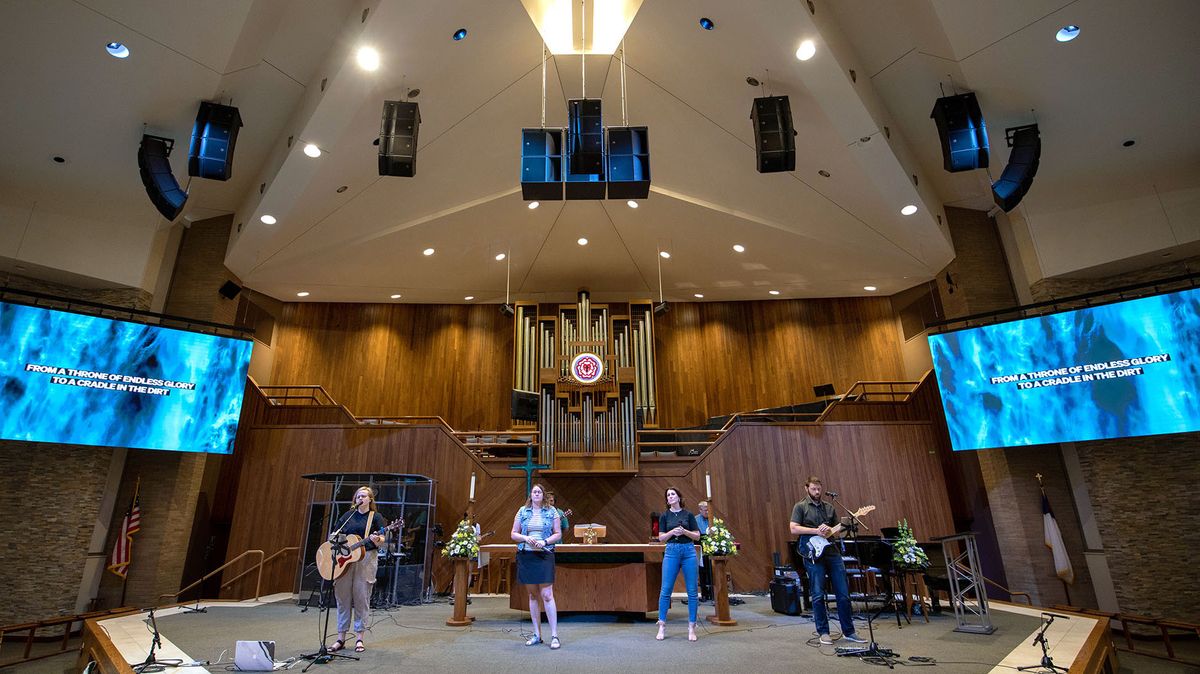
{"x":1040,"y":639}
{"x":151,"y":664}
{"x":323,"y":655}
{"x":872,"y":649}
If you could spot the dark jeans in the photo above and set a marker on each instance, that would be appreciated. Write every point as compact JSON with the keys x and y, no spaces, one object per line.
{"x":829,"y":565}
{"x":706,"y":579}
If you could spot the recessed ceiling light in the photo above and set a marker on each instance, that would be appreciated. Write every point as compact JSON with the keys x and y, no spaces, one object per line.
{"x":459,"y":34}
{"x":772,"y":292}
{"x":302,"y":293}
{"x":58,"y":159}
{"x":396,"y":296}
{"x":870,"y":289}
{"x":368,"y":58}
{"x":1129,"y":143}
{"x":664,"y":254}
{"x":752,"y":81}
{"x":468,"y":298}
{"x":500,"y":256}
{"x":707,"y":23}
{"x":823,"y":173}
{"x":268,"y":219}
{"x":582,"y":241}
{"x":739,"y":248}
{"x":116,"y":50}
{"x":1067,"y":33}
{"x":343,"y":188}
{"x":427,"y":252}
{"x":698,"y":296}
{"x":534,"y":204}
{"x":312,"y":150}
{"x":632,"y":204}
{"x":807,"y":50}
{"x":908,"y":210}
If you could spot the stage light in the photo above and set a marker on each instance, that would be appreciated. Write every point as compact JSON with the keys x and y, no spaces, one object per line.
{"x":908,"y":210}
{"x":368,"y":58}
{"x":267,"y":219}
{"x":312,"y":150}
{"x":507,"y":310}
{"x":117,"y":50}
{"x":661,"y":308}
{"x":1067,"y":33}
{"x":459,"y":34}
{"x":807,"y":50}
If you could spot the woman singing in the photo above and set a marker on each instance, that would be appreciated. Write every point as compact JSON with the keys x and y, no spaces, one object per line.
{"x":353,"y":588}
{"x":536,"y":529}
{"x":678,"y":529}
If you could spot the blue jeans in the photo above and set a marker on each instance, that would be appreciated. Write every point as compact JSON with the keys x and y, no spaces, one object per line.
{"x":678,"y":556}
{"x":829,"y":565}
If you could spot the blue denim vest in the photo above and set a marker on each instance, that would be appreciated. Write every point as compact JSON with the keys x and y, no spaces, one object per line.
{"x":548,"y":517}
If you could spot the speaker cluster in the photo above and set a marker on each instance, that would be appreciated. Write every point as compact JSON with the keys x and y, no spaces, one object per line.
{"x":210,"y":156}
{"x":585,"y":160}
{"x":964,"y":139}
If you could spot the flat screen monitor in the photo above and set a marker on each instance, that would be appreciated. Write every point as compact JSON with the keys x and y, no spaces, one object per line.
{"x":86,"y":380}
{"x":1117,"y":370}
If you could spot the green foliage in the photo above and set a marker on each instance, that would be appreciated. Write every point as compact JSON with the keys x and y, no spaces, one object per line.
{"x":464,"y":542}
{"x":905,"y":551}
{"x":718,"y":541}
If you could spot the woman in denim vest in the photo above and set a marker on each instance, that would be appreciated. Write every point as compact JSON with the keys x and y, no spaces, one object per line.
{"x":536,"y":529}
{"x":678,"y":529}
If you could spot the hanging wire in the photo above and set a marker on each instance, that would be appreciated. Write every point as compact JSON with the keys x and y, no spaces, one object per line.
{"x":507,"y":274}
{"x":767,"y":82}
{"x":624,"y":106}
{"x":660,"y":290}
{"x":543,"y":85}
{"x":583,"y":43}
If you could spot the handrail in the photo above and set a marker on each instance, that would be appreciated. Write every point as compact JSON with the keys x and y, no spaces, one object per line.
{"x":215,"y":571}
{"x":316,"y":393}
{"x":261,"y":564}
{"x":67,"y":620}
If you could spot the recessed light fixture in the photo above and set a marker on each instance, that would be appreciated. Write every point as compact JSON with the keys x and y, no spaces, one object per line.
{"x":468,"y":298}
{"x":870,"y":289}
{"x":664,"y":254}
{"x":500,"y":256}
{"x":698,"y":296}
{"x":772,"y":292}
{"x":739,"y":248}
{"x":117,"y":50}
{"x":823,"y":173}
{"x":312,"y":150}
{"x":908,"y":210}
{"x":582,"y":241}
{"x":368,"y":58}
{"x":752,"y":81}
{"x":427,"y":252}
{"x":302,"y":293}
{"x":343,"y":188}
{"x":707,"y":23}
{"x":459,"y":34}
{"x":1067,"y":33}
{"x":631,"y":203}
{"x":807,"y":50}
{"x":534,"y":204}
{"x":58,"y":159}
{"x":1129,"y":143}
{"x":396,"y":296}
{"x":268,"y":219}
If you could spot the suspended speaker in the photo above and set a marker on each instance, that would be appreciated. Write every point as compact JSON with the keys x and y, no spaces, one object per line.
{"x":585,"y":134}
{"x":1022,"y":166}
{"x":229,"y":290}
{"x":398,"y":139}
{"x":962,"y":132}
{"x":628,"y":162}
{"x":774,"y":135}
{"x":213,"y":138}
{"x":155,"y":168}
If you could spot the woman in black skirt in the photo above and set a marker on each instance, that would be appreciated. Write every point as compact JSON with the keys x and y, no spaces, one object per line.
{"x":536,"y":529}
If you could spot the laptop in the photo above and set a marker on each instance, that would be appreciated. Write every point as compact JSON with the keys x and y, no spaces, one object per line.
{"x":254,"y":656}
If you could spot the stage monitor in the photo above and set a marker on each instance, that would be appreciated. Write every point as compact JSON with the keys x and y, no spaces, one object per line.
{"x":85,"y":380}
{"x":524,"y":405}
{"x":1125,"y":369}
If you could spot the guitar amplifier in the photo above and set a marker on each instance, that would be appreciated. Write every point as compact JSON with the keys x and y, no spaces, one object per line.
{"x":786,"y":596}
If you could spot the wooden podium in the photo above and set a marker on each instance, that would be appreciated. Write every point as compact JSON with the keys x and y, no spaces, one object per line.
{"x":590,"y":532}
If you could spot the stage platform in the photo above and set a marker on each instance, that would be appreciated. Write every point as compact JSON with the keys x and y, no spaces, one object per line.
{"x":416,"y":638}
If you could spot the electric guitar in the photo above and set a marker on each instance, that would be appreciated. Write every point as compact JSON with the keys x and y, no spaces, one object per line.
{"x":332,"y":563}
{"x":812,"y":546}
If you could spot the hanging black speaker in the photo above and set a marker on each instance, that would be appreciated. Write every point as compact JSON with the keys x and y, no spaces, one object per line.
{"x":398,"y":139}
{"x":962,"y":132}
{"x":585,"y":134}
{"x":154,"y":167}
{"x":213,"y":137}
{"x":774,"y":135}
{"x":628,"y":162}
{"x":1022,"y":166}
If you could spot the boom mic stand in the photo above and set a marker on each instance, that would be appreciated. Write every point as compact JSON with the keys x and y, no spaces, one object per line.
{"x":151,"y":664}
{"x":1047,"y":662}
{"x":872,"y":649}
{"x":323,"y":655}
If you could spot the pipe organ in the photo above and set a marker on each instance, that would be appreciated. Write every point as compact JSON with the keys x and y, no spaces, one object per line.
{"x":592,"y":368}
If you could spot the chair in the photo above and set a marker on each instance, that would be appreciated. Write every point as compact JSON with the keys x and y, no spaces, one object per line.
{"x":502,"y":569}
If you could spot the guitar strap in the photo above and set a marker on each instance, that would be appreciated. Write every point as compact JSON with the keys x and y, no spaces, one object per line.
{"x":370,"y":518}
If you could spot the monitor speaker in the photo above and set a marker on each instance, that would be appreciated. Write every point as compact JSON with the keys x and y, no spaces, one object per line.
{"x":398,"y":139}
{"x":774,"y":135}
{"x":155,"y":168}
{"x":785,"y":596}
{"x":1022,"y":166}
{"x":962,"y":132}
{"x":213,"y":138}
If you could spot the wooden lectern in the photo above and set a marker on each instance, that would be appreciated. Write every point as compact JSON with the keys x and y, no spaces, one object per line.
{"x":590,"y":532}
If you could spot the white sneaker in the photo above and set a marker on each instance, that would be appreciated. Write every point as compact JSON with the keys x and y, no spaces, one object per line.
{"x":825,"y":640}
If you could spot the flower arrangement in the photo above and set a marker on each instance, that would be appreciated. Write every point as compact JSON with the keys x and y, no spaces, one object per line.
{"x":463,"y":543}
{"x":905,"y":551}
{"x":718,"y":541}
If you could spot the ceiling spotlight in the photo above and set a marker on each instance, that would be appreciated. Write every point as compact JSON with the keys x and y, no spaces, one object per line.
{"x":772,"y":292}
{"x":1129,"y":143}
{"x":534,"y":204}
{"x":268,"y":219}
{"x":739,"y":248}
{"x":459,"y":34}
{"x":664,"y":255}
{"x":468,"y":298}
{"x":500,"y":256}
{"x":368,"y":58}
{"x":870,"y":289}
{"x":1067,"y":33}
{"x":302,"y":293}
{"x":396,"y":296}
{"x":807,"y":50}
{"x":582,"y":241}
{"x":631,"y":203}
{"x":698,"y":296}
{"x":58,"y":159}
{"x":427,"y":252}
{"x":823,"y":173}
{"x":312,"y":150}
{"x":116,"y":50}
{"x":343,"y":188}
{"x":908,"y":210}
{"x":707,"y":23}
{"x":752,"y":81}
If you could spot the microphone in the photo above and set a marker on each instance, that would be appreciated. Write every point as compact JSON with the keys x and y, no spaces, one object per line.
{"x":832,"y":494}
{"x":1056,"y":615}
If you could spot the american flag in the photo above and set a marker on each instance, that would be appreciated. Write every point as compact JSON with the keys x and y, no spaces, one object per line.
{"x":130,"y":525}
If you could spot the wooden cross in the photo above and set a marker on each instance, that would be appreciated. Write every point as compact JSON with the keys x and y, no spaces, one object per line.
{"x":529,"y":467}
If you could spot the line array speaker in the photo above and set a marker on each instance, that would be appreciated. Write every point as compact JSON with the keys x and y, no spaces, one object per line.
{"x":213,"y":138}
{"x":962,"y":132}
{"x":1022,"y":166}
{"x":398,"y":139}
{"x":774,"y":135}
{"x":154,"y":167}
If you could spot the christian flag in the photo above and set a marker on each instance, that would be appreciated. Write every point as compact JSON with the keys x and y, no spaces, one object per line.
{"x":1054,"y":541}
{"x":130,"y":525}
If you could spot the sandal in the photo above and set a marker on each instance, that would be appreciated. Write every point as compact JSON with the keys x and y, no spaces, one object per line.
{"x":337,"y":646}
{"x":554,"y":645}
{"x":534,"y":640}
{"x":358,"y":646}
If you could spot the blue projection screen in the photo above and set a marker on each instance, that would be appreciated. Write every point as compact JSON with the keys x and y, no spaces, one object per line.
{"x":85,"y":380}
{"x":1112,"y":371}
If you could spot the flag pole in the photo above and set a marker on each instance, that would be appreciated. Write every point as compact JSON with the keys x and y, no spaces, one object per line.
{"x":125,"y":576}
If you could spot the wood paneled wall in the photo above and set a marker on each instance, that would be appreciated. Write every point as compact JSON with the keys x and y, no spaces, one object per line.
{"x":455,"y":361}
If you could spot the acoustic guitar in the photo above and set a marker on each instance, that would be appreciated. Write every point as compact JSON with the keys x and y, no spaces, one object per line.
{"x":812,"y":546}
{"x":331,"y":564}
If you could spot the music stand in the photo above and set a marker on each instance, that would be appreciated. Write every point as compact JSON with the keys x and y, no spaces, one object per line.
{"x":872,"y":649}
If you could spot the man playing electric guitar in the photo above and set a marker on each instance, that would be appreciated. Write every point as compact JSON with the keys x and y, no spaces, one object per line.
{"x":814,"y":517}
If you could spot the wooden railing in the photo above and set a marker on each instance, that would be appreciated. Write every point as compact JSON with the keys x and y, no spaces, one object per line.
{"x":219,"y":569}
{"x":32,"y":628}
{"x":1164,"y":628}
{"x":297,"y":395}
{"x":229,"y":583}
